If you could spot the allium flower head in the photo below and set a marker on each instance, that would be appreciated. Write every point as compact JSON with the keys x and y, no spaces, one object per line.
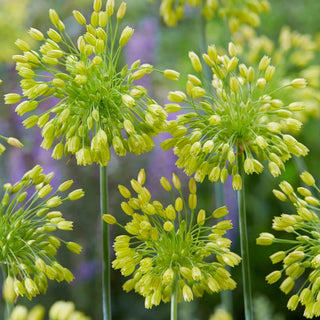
{"x":99,"y":103}
{"x":236,"y":12}
{"x":28,"y":220}
{"x":173,"y":246}
{"x":294,"y":52}
{"x":300,"y":257}
{"x":240,"y":115}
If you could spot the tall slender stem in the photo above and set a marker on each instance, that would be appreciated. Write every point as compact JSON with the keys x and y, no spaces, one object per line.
{"x":246,"y":276}
{"x":106,"y":285}
{"x":174,"y":301}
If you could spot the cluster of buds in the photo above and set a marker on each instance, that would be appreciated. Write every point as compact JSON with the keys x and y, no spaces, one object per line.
{"x":240,"y":115}
{"x":28,"y":220}
{"x":236,"y":12}
{"x":60,"y":310}
{"x":293,"y":50}
{"x":99,"y":104}
{"x":172,"y":247}
{"x":302,"y":259}
{"x":11,"y":141}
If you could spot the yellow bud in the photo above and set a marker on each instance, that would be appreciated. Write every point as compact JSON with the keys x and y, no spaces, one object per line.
{"x":192,"y":201}
{"x":187,"y":293}
{"x":192,"y":186}
{"x":293,"y":302}
{"x":74,"y":247}
{"x":273,"y":277}
{"x":97,"y":4}
{"x":277,"y":257}
{"x":36,"y":34}
{"x":122,"y":11}
{"x":177,"y":96}
{"x":265,"y":239}
{"x":287,"y":285}
{"x":103,"y":19}
{"x":214,"y":120}
{"x":264,"y":63}
{"x":54,"y":17}
{"x":195,"y":61}
{"x":234,"y":84}
{"x":54,"y":35}
{"x":128,"y":100}
{"x":220,"y":212}
{"x":14,"y":142}
{"x":232,"y":64}
{"x":201,"y":217}
{"x":79,"y":17}
{"x":232,"y":49}
{"x":212,"y":52}
{"x":168,"y":226}
{"x":176,"y":181}
{"x":269,"y":73}
{"x":8,"y":292}
{"x":11,"y":98}
{"x":250,"y":74}
{"x":237,"y":182}
{"x":110,"y":7}
{"x":261,"y":83}
{"x":299,"y":83}
{"x":171,"y":74}
{"x":76,"y":194}
{"x":142,"y":176}
{"x":22,"y":45}
{"x":125,"y":36}
{"x":307,"y":178}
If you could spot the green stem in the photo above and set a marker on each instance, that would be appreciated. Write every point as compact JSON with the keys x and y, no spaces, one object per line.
{"x":246,"y":279}
{"x":106,"y":285}
{"x":174,"y":301}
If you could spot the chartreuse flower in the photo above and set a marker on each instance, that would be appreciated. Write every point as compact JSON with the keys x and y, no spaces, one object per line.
{"x":12,"y":141}
{"x":300,"y":257}
{"x":236,"y":12}
{"x":240,"y":114}
{"x":293,"y":51}
{"x":60,"y":310}
{"x":99,"y":105}
{"x":172,"y":250}
{"x":28,"y":221}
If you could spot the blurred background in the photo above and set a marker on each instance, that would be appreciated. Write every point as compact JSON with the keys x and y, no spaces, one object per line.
{"x":154,"y":42}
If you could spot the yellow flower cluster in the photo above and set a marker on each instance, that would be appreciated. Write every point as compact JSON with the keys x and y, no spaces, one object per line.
{"x":60,"y":310}
{"x":239,"y":115}
{"x":172,"y":247}
{"x":302,"y":258}
{"x":294,"y":52}
{"x":99,"y":105}
{"x":236,"y":12}
{"x":28,"y":219}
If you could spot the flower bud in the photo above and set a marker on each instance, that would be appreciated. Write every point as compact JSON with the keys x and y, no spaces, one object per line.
{"x":76,"y":194}
{"x":125,"y":35}
{"x":307,"y":178}
{"x":299,"y":83}
{"x":74,"y":247}
{"x":195,"y":61}
{"x":122,"y":11}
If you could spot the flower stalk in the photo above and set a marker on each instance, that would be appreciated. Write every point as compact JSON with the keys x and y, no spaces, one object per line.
{"x":246,"y":278}
{"x":106,"y":285}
